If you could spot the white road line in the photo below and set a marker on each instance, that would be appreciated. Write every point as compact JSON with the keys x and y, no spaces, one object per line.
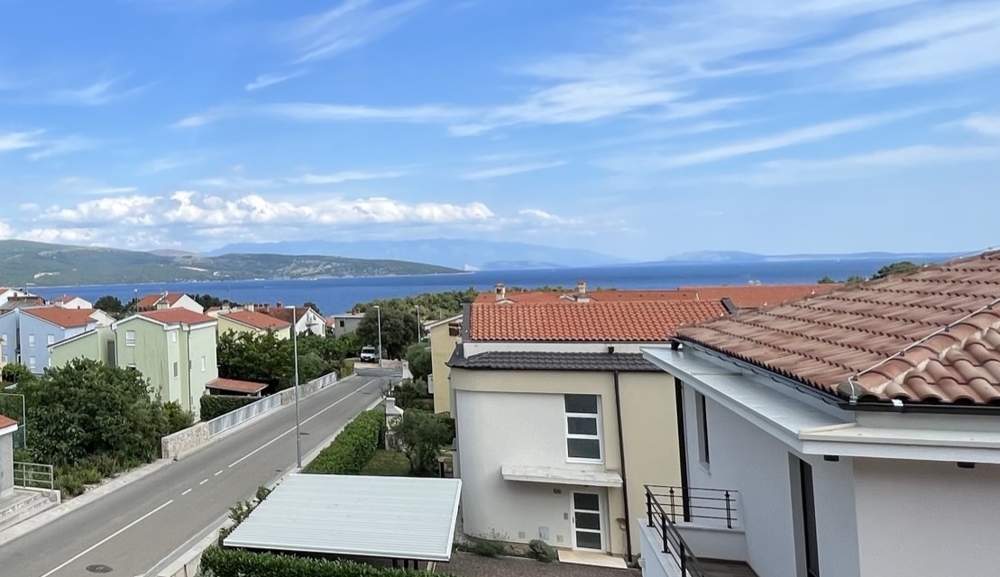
{"x":219,"y":473}
{"x":112,"y":536}
{"x":292,"y":430}
{"x":186,"y":492}
{"x":203,"y":482}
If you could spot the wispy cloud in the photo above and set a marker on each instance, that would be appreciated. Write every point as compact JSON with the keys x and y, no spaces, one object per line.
{"x":351,"y":24}
{"x":163,"y":164}
{"x":310,"y":112}
{"x":96,"y":94}
{"x":237,"y":181}
{"x":265,"y":80}
{"x":345,"y":176}
{"x":510,"y":170}
{"x":65,"y":145}
{"x":985,"y":124}
{"x":20,"y":140}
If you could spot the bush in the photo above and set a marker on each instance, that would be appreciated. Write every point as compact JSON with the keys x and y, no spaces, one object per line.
{"x":346,"y":368}
{"x":409,"y":393}
{"x":221,"y":562}
{"x":353,"y":447}
{"x":488,"y":547}
{"x":176,"y":418}
{"x":388,"y":464}
{"x":213,"y":406}
{"x":424,"y":435}
{"x":540,"y":550}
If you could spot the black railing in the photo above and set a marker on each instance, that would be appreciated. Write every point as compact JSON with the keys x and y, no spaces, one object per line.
{"x":659,"y":518}
{"x":686,"y":505}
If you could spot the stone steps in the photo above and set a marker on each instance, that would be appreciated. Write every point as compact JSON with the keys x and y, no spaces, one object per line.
{"x":28,"y":505}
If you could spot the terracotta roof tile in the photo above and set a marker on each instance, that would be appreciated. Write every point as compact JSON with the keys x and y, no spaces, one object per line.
{"x":5,"y":422}
{"x":929,"y":336}
{"x":150,"y":301}
{"x":235,"y":386}
{"x":627,"y":321}
{"x":285,"y":313}
{"x":257,"y":320}
{"x":65,"y":318}
{"x":543,"y":361}
{"x":743,"y":296}
{"x":174,"y":316}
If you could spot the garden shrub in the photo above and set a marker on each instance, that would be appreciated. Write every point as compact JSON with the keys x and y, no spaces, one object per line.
{"x":213,"y":406}
{"x":222,"y":562}
{"x":542,"y":551}
{"x":353,"y":447}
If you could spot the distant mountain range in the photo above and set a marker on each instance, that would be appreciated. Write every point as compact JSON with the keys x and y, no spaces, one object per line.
{"x":467,"y":254}
{"x":24,"y":263}
{"x":737,"y":257}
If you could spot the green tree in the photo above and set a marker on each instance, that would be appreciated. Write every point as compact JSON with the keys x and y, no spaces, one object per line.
{"x":16,"y":373}
{"x":826,"y":280}
{"x":110,"y":304}
{"x":418,"y":355}
{"x":901,"y":267}
{"x":423,"y":435}
{"x":854,"y":279}
{"x":399,"y":329}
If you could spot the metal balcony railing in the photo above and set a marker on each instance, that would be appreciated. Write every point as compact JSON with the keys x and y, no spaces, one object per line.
{"x":686,"y":505}
{"x":34,"y":476}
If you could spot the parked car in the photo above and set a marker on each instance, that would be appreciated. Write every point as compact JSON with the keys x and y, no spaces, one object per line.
{"x":369,"y":354}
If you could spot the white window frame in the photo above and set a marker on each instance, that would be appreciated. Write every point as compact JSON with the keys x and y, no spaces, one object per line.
{"x":129,"y":338}
{"x":50,"y":340}
{"x":177,"y":369}
{"x":173,"y":336}
{"x":204,"y":364}
{"x":31,"y":362}
{"x":31,"y":340}
{"x":599,"y":437}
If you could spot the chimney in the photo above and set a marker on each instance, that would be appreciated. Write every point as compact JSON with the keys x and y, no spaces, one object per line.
{"x":581,"y":287}
{"x":501,"y":292}
{"x":278,"y":305}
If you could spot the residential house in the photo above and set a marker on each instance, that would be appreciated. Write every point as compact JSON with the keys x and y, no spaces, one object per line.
{"x":7,"y":429}
{"x":344,"y":324}
{"x":8,"y":293}
{"x":306,"y":320}
{"x":244,"y":321}
{"x":561,"y":422}
{"x":72,"y":302}
{"x":169,"y":300}
{"x":174,"y":348}
{"x":27,"y":333}
{"x":854,"y":433}
{"x":22,"y":302}
{"x":443,"y":335}
{"x":97,"y":344}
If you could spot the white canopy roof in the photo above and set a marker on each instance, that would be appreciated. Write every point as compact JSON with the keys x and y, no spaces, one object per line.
{"x":561,"y":476}
{"x":354,"y":515}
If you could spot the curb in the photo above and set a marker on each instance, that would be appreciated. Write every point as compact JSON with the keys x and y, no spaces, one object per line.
{"x":185,"y":560}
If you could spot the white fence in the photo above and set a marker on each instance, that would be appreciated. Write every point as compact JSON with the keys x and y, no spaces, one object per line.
{"x":242,"y":414}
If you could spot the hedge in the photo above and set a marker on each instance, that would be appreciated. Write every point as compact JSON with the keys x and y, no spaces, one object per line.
{"x":220,"y":562}
{"x":353,"y":447}
{"x":213,"y":406}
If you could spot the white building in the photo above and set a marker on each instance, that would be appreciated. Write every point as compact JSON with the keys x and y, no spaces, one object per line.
{"x":855,"y":434}
{"x":168,"y":300}
{"x":72,"y":302}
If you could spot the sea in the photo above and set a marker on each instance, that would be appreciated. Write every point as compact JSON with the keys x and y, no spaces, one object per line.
{"x":335,"y":295}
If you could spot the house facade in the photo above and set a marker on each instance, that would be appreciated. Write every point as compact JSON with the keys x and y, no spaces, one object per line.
{"x":444,"y":336}
{"x":854,"y":433}
{"x":344,"y":324}
{"x":7,"y":429}
{"x":9,"y":293}
{"x":167,"y":300}
{"x":174,"y":348}
{"x":244,"y":321}
{"x":72,"y":302}
{"x":561,"y":422}
{"x":97,"y":344}
{"x":307,"y":321}
{"x":27,"y":333}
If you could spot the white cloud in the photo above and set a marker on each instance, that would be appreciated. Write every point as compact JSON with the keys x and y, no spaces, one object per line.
{"x":538,"y":215}
{"x":60,"y":235}
{"x":113,"y":190}
{"x":510,"y":170}
{"x":345,"y":176}
{"x":312,"y":112}
{"x":20,"y":140}
{"x":64,"y":145}
{"x":162,"y":164}
{"x":985,"y":124}
{"x":353,"y":23}
{"x":265,"y":80}
{"x":95,"y":94}
{"x":29,"y":207}
{"x":5,"y":230}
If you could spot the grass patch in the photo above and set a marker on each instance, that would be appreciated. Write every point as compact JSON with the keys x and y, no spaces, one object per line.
{"x":387,"y":464}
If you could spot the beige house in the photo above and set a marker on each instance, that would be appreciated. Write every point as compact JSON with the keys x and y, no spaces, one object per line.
{"x":244,"y":321}
{"x":443,"y":335}
{"x":560,"y":420}
{"x":344,"y":324}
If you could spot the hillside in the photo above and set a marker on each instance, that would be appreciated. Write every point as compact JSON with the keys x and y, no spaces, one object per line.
{"x":24,"y":263}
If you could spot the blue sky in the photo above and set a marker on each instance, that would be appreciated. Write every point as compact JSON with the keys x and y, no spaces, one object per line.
{"x":635,"y":128}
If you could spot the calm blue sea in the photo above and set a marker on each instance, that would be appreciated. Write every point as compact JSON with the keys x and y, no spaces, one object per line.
{"x":340,"y":294}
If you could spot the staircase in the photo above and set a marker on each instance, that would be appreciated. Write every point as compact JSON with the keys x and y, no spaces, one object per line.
{"x":25,"y":503}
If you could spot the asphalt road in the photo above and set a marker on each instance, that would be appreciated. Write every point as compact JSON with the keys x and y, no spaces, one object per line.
{"x":135,"y":527}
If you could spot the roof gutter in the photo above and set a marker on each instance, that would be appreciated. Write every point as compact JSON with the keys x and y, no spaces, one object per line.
{"x":941,"y":409}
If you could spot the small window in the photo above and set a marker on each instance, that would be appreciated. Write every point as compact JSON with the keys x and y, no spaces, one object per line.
{"x":131,"y":367}
{"x":173,"y":337}
{"x":50,"y":340}
{"x":204,"y":365}
{"x":702,"y":418}
{"x":177,"y":369}
{"x":342,"y":323}
{"x":31,"y":340}
{"x":583,"y":427}
{"x":31,"y":362}
{"x":129,"y":338}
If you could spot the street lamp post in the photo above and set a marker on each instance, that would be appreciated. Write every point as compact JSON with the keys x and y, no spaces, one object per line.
{"x":378,"y":310}
{"x":417,"y":308}
{"x":295,"y":352}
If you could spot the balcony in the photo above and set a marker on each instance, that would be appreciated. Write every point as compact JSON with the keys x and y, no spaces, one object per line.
{"x":693,"y":533}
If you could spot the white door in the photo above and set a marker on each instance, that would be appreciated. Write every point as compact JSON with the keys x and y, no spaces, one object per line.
{"x":588,"y":529}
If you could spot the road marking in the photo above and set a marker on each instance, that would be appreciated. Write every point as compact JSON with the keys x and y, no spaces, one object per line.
{"x":186,"y":492}
{"x":292,"y":430}
{"x":219,"y":473}
{"x":203,"y":482}
{"x":112,"y":536}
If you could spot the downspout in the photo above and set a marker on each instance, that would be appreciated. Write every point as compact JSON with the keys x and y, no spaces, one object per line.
{"x":190,"y":371}
{"x":621,"y":455}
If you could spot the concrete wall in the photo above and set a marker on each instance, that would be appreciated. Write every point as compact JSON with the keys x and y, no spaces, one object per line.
{"x":488,"y":437}
{"x":350,"y":325}
{"x":6,"y":464}
{"x":93,"y":345}
{"x":442,"y":347}
{"x":8,"y":338}
{"x":150,"y":355}
{"x":926,"y":518}
{"x":757,"y":465}
{"x":199,"y":364}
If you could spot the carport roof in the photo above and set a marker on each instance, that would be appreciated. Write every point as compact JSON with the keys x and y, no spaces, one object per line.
{"x":354,"y":515}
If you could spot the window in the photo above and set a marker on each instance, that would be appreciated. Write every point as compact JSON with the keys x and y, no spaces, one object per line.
{"x":342,"y":323}
{"x":129,"y":338}
{"x":583,"y":428}
{"x":177,"y":369}
{"x":204,"y":365}
{"x":173,"y":337}
{"x":31,"y":362}
{"x":31,"y":340}
{"x":50,"y":340}
{"x":702,"y":418}
{"x":131,"y":367}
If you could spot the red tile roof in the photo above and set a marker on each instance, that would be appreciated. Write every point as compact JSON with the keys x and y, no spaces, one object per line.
{"x":929,"y":336}
{"x":5,"y":422}
{"x":174,"y":316}
{"x":285,"y":313}
{"x":63,"y":299}
{"x":150,"y":301}
{"x":257,"y":320}
{"x":235,"y":386}
{"x":743,"y":296}
{"x":65,"y":318}
{"x":628,"y":321}
{"x":526,"y":297}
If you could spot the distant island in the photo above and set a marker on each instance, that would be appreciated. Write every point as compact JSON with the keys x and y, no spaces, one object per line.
{"x":24,"y":263}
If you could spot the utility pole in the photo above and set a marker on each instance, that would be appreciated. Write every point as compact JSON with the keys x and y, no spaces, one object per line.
{"x":295,"y":352}
{"x":417,"y":308}
{"x":378,"y":310}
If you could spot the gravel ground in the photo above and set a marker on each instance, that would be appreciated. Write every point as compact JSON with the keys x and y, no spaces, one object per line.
{"x":469,"y":565}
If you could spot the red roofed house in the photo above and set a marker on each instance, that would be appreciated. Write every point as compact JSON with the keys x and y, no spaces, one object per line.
{"x":305,"y":318}
{"x":7,"y":429}
{"x":854,"y":434}
{"x":169,"y":300}
{"x":244,"y":321}
{"x":547,"y":396}
{"x":72,"y":302}
{"x":27,"y":333}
